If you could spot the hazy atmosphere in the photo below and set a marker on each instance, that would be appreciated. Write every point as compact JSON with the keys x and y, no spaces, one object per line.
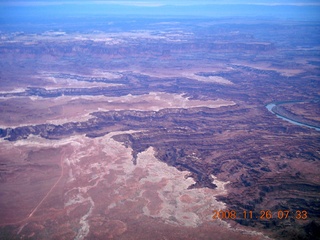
{"x":160,"y":120}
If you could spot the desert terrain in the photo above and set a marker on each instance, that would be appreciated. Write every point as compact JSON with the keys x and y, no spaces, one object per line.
{"x":140,"y":129}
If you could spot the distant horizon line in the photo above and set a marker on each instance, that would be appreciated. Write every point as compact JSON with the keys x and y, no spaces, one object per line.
{"x":150,"y":4}
{"x":304,"y":12}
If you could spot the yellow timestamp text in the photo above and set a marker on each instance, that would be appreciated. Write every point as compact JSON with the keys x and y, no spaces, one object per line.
{"x":262,"y":215}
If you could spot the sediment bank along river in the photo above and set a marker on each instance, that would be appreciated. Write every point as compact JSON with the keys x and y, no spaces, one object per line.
{"x":272,"y":105}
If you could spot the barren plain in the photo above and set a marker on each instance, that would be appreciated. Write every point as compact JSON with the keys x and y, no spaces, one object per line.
{"x":142,"y":129}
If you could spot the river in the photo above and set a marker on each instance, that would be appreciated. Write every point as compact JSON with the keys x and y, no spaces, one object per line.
{"x":270,"y":106}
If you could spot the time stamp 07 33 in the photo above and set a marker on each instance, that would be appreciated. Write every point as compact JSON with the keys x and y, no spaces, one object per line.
{"x":262,"y":215}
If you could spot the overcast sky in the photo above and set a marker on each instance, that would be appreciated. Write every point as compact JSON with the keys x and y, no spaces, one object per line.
{"x":161,"y":2}
{"x":286,"y":9}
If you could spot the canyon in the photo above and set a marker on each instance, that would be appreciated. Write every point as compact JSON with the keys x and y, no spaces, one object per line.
{"x":141,"y":129}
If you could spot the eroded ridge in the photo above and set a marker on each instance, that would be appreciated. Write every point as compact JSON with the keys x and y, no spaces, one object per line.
{"x":101,"y":129}
{"x":163,"y":190}
{"x":102,"y":193}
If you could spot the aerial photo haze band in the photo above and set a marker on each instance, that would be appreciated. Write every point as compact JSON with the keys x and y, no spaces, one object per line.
{"x":160,"y":119}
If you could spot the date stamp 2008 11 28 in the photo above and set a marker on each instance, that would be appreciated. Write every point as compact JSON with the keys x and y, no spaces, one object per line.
{"x":262,"y":215}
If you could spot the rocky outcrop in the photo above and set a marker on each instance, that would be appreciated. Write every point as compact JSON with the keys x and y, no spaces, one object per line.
{"x":270,"y":164}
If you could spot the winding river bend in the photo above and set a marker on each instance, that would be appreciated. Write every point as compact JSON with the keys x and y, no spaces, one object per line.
{"x":270,"y":107}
